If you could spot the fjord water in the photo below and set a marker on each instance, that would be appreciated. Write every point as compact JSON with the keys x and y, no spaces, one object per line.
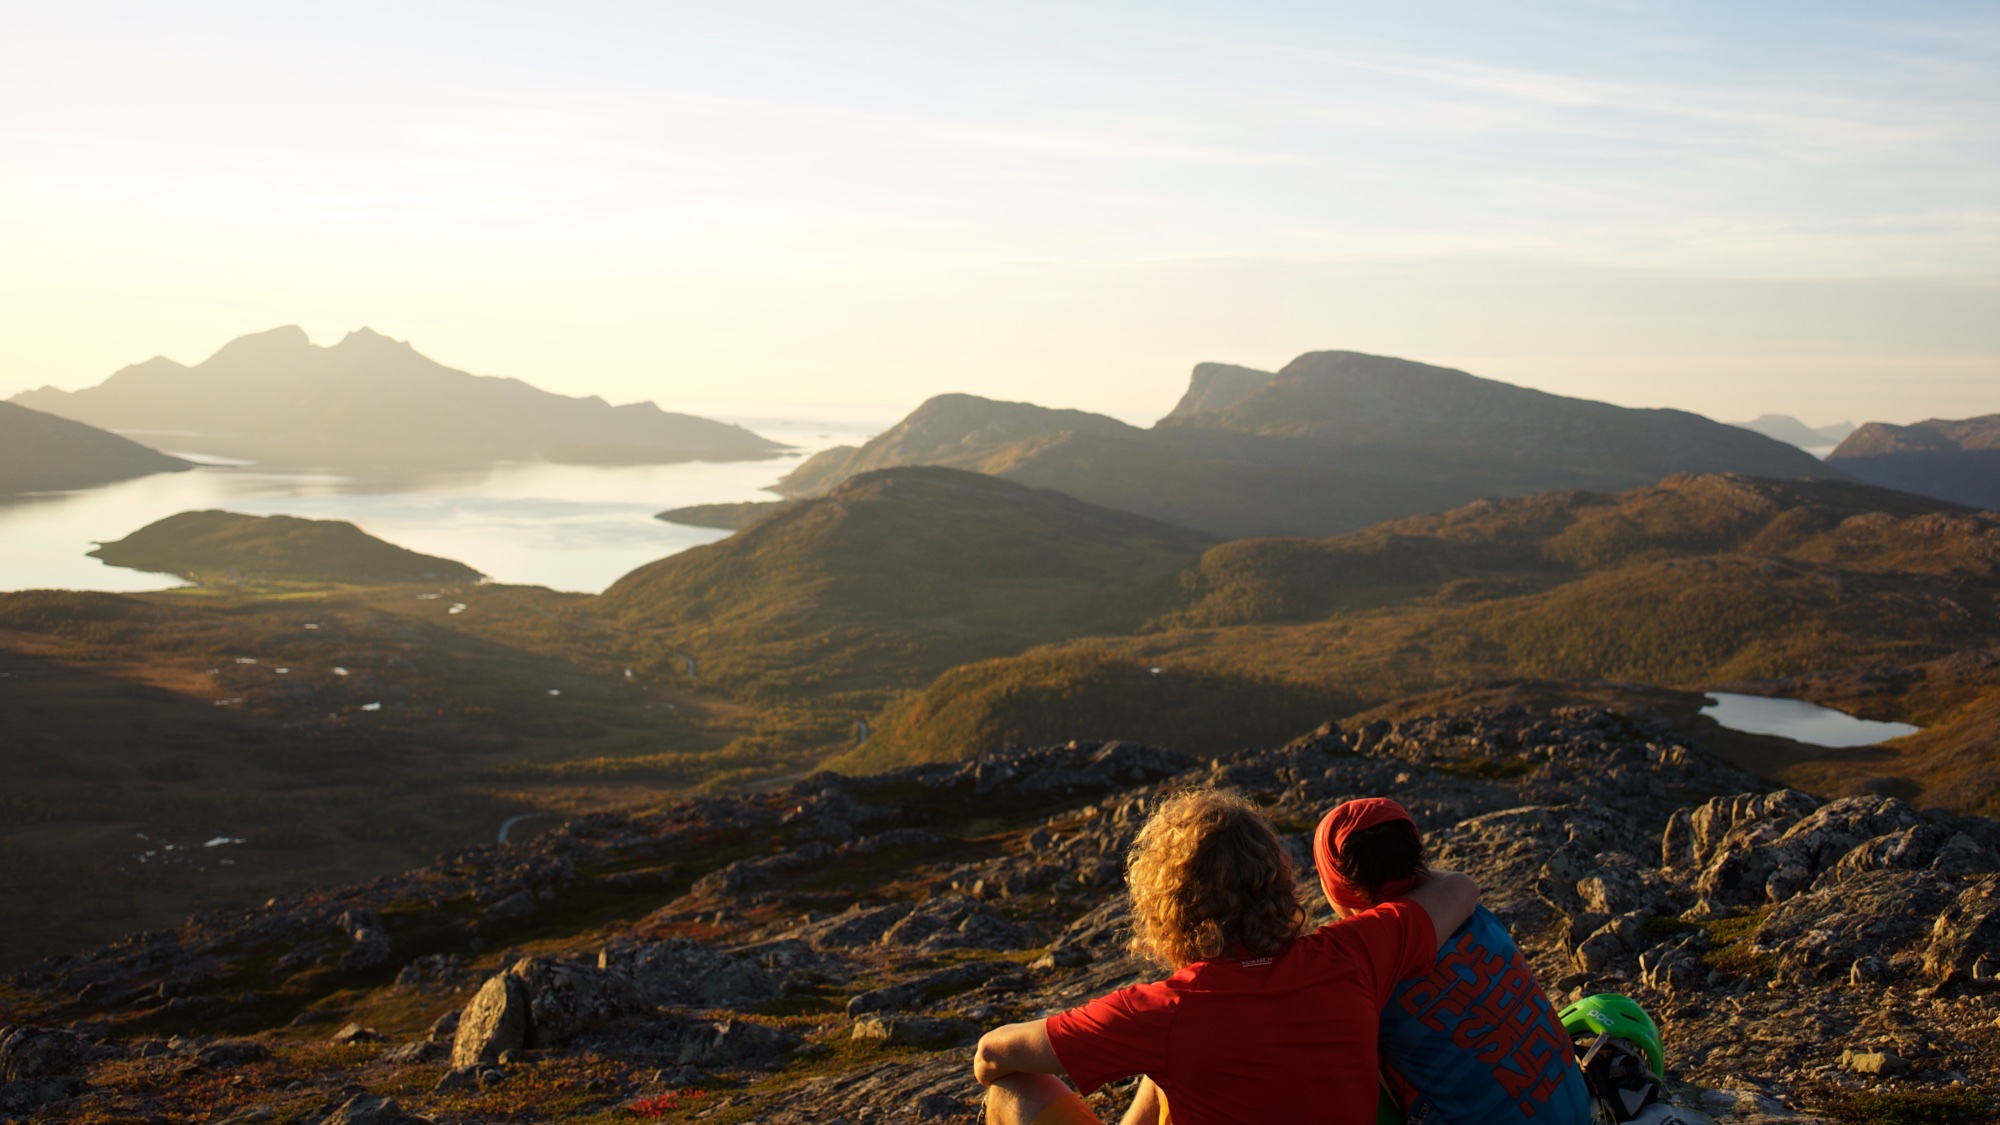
{"x":1799,"y":721}
{"x":568,"y":527}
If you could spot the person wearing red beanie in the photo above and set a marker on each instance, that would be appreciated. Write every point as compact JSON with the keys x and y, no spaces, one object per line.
{"x":1472,"y":1040}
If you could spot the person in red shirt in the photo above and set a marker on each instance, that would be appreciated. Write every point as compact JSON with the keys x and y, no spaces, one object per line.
{"x":1258,"y":1023}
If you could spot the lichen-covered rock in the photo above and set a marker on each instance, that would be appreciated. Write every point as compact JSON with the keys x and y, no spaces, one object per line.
{"x":857,"y":927}
{"x":958,"y":922}
{"x":734,"y":1043}
{"x":914,"y":1031}
{"x":1883,"y":915}
{"x":40,"y":1052}
{"x":565,"y":1000}
{"x":747,"y":874}
{"x":1694,"y":837}
{"x":368,"y":1109}
{"x":370,"y":938}
{"x":495,"y":1020}
{"x":1965,"y":940}
{"x":687,"y":973}
{"x":930,"y":987}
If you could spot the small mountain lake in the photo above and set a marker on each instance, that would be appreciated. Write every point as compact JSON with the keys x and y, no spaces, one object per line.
{"x":1799,"y":721}
{"x":568,"y":527}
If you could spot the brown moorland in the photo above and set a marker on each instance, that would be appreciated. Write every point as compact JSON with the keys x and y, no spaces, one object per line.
{"x":337,"y":732}
{"x":1698,"y":582}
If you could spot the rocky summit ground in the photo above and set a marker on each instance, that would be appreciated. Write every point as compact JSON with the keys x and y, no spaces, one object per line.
{"x":828,"y":952}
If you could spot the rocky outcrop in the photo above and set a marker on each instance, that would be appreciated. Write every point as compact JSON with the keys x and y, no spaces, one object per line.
{"x":41,"y":1065}
{"x":1965,"y":940}
{"x":368,"y":1109}
{"x":494,"y":1023}
{"x":540,"y":1003}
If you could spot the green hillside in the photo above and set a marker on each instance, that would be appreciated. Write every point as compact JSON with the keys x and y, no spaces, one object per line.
{"x":230,"y":548}
{"x":1086,"y":692}
{"x":894,"y":577}
{"x":1490,"y":549}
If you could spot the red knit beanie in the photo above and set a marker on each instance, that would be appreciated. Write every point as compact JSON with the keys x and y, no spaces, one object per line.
{"x":1334,"y":829}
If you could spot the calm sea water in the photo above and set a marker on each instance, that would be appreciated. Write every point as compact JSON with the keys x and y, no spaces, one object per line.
{"x":1799,"y":721}
{"x":568,"y":527}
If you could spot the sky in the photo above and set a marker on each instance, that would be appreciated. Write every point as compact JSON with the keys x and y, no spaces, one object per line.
{"x":1730,"y":208}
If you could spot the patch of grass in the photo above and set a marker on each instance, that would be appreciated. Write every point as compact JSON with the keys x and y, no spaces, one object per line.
{"x":1914,"y":1107}
{"x":1053,"y":696}
{"x":1732,"y":945}
{"x":1662,"y":925}
{"x":820,"y":999}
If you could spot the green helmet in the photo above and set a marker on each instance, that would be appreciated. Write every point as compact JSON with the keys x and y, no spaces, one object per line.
{"x":1608,"y":1012}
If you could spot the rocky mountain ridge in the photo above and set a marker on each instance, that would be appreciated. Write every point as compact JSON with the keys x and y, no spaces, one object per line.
{"x":824,"y":952}
{"x":1956,"y":460}
{"x":1333,"y":442}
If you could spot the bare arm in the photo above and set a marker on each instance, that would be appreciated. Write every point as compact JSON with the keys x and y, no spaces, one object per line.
{"x":1145,"y":1107}
{"x":1018,"y":1048}
{"x":1449,"y":898}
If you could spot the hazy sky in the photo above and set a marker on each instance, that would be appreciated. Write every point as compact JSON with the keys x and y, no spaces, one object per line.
{"x":1730,"y":207}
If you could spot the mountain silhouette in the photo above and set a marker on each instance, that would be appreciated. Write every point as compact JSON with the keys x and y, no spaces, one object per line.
{"x":43,"y":453}
{"x":1791,"y":431}
{"x":1335,"y":442}
{"x":1951,"y":460}
{"x":276,"y":398}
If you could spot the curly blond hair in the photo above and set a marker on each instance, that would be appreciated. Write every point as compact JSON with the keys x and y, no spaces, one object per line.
{"x":1209,"y":873}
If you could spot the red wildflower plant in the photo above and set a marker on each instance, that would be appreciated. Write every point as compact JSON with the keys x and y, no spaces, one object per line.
{"x":659,"y":1105}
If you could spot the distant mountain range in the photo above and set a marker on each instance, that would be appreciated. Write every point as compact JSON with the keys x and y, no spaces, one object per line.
{"x":369,"y":401}
{"x":43,"y":453}
{"x":1791,"y":431}
{"x":1951,"y":460}
{"x":1334,"y":442}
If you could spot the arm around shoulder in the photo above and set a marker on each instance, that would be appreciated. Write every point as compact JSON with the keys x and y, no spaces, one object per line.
{"x":1449,"y":897}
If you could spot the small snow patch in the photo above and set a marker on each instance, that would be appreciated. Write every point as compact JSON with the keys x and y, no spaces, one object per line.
{"x":371,"y":706}
{"x":228,"y":702}
{"x":340,"y":671}
{"x":282,"y":671}
{"x":246,"y":660}
{"x":310,"y":625}
{"x":555,"y":691}
{"x":456,"y":607}
{"x":221,"y":840}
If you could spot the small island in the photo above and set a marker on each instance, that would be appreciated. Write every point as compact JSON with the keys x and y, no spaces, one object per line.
{"x":228,"y":548}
